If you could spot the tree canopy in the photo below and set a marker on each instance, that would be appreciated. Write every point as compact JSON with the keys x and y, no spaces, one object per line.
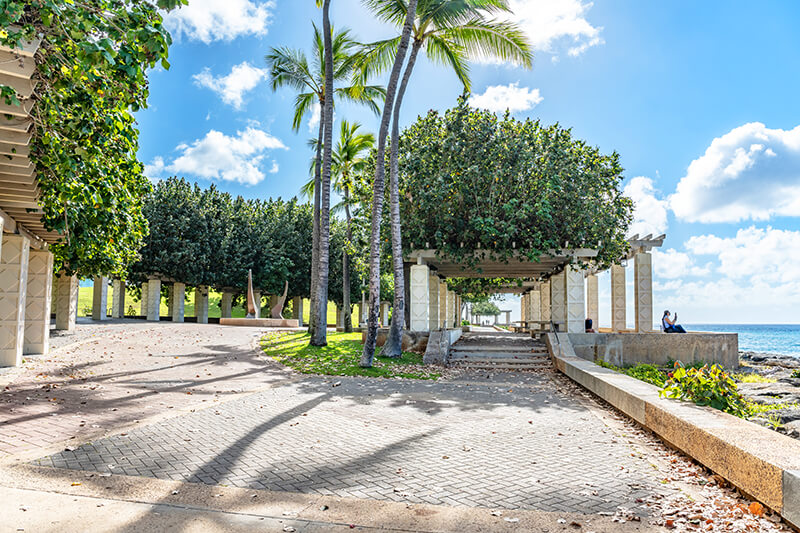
{"x":471,"y":180}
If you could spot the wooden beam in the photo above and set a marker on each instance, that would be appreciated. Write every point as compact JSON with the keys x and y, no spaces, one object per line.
{"x":26,"y":48}
{"x":23,"y":110}
{"x":15,"y":64}
{"x":14,"y":150}
{"x":12,"y":178}
{"x":15,"y":137}
{"x":15,"y":124}
{"x":16,"y":171}
{"x":23,"y":86}
{"x":16,"y":161}
{"x":9,"y":224}
{"x":8,"y":200}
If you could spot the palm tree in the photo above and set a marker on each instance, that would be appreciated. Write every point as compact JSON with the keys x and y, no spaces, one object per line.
{"x":348,"y":164}
{"x":291,"y":68}
{"x":452,"y":32}
{"x":378,"y":189}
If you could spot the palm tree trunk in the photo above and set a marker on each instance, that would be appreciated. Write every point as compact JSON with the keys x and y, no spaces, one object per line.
{"x":394,"y":341}
{"x":313,"y":319}
{"x":348,"y":312}
{"x":320,"y":336}
{"x":378,"y":192}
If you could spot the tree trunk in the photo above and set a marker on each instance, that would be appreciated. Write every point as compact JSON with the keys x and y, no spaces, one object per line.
{"x":313,"y":319}
{"x":378,"y":192}
{"x":348,"y":310}
{"x":394,"y":342}
{"x":320,"y":336}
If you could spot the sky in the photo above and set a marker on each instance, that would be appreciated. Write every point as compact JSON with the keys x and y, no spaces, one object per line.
{"x":699,"y":99}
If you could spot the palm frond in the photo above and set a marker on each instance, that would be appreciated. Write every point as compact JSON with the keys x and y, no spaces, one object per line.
{"x":449,"y":53}
{"x":492,"y":39}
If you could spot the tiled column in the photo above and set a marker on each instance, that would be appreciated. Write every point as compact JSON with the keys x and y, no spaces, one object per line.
{"x":154,"y":300}
{"x":558,"y":309}
{"x":618,"y":300}
{"x":118,"y":299}
{"x":226,"y":305}
{"x":592,"y":301}
{"x":363,"y":310}
{"x":643,"y":291}
{"x":574,"y":304}
{"x":100,"y":298}
{"x":339,"y":318}
{"x":13,"y":286}
{"x":523,"y":308}
{"x":201,"y":304}
{"x":178,"y":299}
{"x":544,"y":294}
{"x":297,"y":310}
{"x":419,"y":284}
{"x":385,"y":314}
{"x":442,"y":304}
{"x":433,"y":303}
{"x":144,"y":299}
{"x":66,"y":302}
{"x":38,"y":298}
{"x":534,"y":305}
{"x":451,"y":309}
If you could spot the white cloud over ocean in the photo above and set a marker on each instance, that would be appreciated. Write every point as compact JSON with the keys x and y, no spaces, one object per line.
{"x":214,"y":20}
{"x":498,"y":98}
{"x":650,"y":211}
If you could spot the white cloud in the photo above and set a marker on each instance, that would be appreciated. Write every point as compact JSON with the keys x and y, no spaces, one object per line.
{"x":244,"y":77}
{"x":214,"y":20}
{"x":751,"y":172}
{"x":672,"y":264}
{"x":650,"y":213}
{"x":498,"y":98}
{"x":155,"y":168}
{"x":313,"y":122}
{"x":218,"y":156}
{"x":552,"y":25}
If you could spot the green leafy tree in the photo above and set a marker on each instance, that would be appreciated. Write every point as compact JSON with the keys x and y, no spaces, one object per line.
{"x":90,"y":78}
{"x":485,"y":308}
{"x":451,"y":33}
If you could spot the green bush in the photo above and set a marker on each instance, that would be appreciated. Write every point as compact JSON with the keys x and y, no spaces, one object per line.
{"x":642,"y":371}
{"x":465,"y":322}
{"x":708,"y":385}
{"x":796,"y":374}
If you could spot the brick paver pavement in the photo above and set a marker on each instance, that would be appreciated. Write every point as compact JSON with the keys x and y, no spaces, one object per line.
{"x":528,"y":446}
{"x":128,"y":372}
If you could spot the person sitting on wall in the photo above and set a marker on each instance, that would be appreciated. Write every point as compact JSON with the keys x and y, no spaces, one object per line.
{"x":588,"y":325}
{"x":669,"y":325}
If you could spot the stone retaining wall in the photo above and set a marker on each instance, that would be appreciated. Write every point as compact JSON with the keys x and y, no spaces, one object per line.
{"x":762,"y":463}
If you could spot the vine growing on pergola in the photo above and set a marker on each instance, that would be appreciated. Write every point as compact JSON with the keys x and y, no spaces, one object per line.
{"x":510,"y":188}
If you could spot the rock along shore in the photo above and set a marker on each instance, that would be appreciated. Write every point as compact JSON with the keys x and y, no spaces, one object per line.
{"x":783,"y":388}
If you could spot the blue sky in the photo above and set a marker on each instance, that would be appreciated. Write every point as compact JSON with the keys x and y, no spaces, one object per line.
{"x":699,"y":98}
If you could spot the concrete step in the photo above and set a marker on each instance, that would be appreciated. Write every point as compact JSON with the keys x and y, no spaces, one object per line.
{"x":504,"y":367}
{"x":496,"y":355}
{"x":497,"y":348}
{"x":518,"y":362}
{"x":500,"y":353}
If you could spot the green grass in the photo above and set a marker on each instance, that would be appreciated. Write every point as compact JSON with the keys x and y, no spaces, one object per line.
{"x":340,"y":357}
{"x":752,"y":378}
{"x":643,"y":372}
{"x":757,"y":408}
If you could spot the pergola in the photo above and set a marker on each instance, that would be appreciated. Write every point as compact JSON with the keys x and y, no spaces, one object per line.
{"x":26,"y":264}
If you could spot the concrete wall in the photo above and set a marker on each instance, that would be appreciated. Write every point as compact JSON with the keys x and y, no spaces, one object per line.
{"x":439,"y":343}
{"x":657,"y":348}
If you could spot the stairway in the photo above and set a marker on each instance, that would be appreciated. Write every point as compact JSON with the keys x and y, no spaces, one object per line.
{"x":499,"y":351}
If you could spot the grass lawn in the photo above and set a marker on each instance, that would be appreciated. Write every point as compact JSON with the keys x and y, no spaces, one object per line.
{"x":340,"y":357}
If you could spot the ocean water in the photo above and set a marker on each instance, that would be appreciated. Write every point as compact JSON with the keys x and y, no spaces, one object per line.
{"x":766,"y":338}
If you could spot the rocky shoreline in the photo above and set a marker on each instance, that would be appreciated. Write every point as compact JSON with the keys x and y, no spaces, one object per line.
{"x":781,"y":387}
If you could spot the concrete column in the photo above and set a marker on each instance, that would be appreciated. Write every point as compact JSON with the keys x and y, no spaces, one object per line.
{"x":544,"y":295}
{"x":643,"y":291}
{"x":419,"y":283}
{"x":38,"y":299}
{"x":523,"y":307}
{"x":178,"y":297}
{"x":385,"y":314}
{"x":201,"y":304}
{"x":433,"y":301}
{"x":534,"y":305}
{"x":118,"y":299}
{"x":618,"y":299}
{"x":558,"y":300}
{"x":13,"y":289}
{"x":592,"y":301}
{"x":170,"y":299}
{"x":442,"y":304}
{"x":363,"y":312}
{"x":66,"y":302}
{"x":257,"y":300}
{"x":144,"y":299}
{"x":100,"y":298}
{"x":451,"y":309}
{"x":297,"y":310}
{"x":574,"y":304}
{"x":154,"y":300}
{"x":508,"y":318}
{"x":226,"y":305}
{"x":339,"y":318}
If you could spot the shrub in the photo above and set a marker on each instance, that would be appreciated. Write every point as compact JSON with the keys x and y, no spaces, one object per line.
{"x":465,"y":322}
{"x":796,"y":373}
{"x":708,"y":385}
{"x":642,"y":371}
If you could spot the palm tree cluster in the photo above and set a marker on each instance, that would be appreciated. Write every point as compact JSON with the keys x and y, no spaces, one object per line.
{"x":451,"y":33}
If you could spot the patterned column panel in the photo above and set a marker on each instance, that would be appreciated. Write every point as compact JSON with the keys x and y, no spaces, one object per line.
{"x":451,"y":309}
{"x":558,"y":309}
{"x":38,"y":298}
{"x":178,"y":300}
{"x":226,"y":305}
{"x":575,"y":308}
{"x":593,"y":301}
{"x":523,"y":304}
{"x":534,"y":305}
{"x":618,"y":299}
{"x":339,"y":318}
{"x":118,"y":299}
{"x":544,"y":294}
{"x":13,"y":288}
{"x":144,"y":300}
{"x":442,"y":304}
{"x":297,"y":310}
{"x":201,"y":304}
{"x":643,"y":290}
{"x":419,"y":285}
{"x":385,"y":306}
{"x":154,"y":300}
{"x":66,"y":302}
{"x":433,"y":302}
{"x":100,"y":298}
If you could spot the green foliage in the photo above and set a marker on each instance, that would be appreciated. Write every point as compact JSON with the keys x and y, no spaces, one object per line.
{"x":708,"y":385}
{"x":485,"y":309}
{"x":752,"y":378}
{"x":642,"y":371}
{"x":91,"y":76}
{"x":340,"y":357}
{"x":796,"y":373}
{"x":478,"y":289}
{"x":471,"y":181}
